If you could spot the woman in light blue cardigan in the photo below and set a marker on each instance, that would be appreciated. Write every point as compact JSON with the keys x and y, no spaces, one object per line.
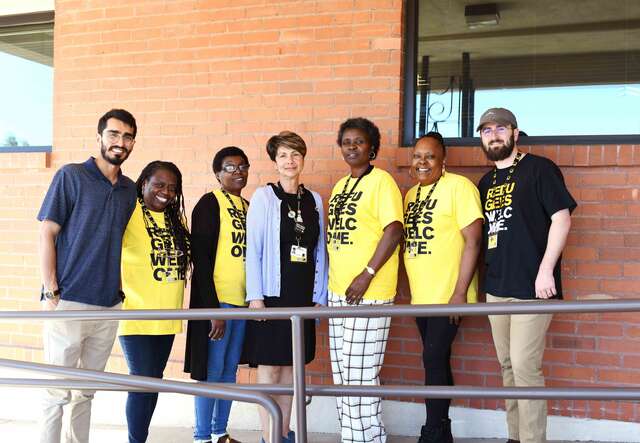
{"x":286,"y":267}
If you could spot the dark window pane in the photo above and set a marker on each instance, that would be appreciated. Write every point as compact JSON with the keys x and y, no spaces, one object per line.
{"x":564,"y":68}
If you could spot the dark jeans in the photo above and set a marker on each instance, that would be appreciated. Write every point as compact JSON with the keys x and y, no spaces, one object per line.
{"x":437,"y":335}
{"x":146,"y":355}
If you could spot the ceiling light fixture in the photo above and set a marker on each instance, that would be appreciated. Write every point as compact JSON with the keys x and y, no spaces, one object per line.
{"x":485,"y":14}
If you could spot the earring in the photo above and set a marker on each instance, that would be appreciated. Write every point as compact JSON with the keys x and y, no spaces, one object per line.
{"x":372,"y":155}
{"x":444,"y":168}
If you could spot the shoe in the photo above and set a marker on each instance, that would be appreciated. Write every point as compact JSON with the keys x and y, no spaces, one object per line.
{"x":513,"y":441}
{"x":447,"y":436}
{"x":433,"y":434}
{"x":227,"y":439}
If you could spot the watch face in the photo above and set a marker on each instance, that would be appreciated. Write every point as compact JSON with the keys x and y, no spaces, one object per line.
{"x":51,"y":295}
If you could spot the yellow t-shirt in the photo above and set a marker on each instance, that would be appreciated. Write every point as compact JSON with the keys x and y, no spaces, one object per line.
{"x":151,"y":277}
{"x":229,"y":272}
{"x":353,"y":237}
{"x":434,"y":245}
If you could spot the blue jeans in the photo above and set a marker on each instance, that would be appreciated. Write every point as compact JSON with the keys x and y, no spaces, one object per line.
{"x":212,"y":414}
{"x":146,"y":355}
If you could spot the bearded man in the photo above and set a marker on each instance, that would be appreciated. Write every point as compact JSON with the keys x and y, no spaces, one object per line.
{"x":84,"y":215}
{"x":527,"y":210}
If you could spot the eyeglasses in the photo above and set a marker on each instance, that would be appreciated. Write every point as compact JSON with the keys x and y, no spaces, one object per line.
{"x":355,"y":142}
{"x":233,"y":168}
{"x":499,"y":130}
{"x":115,"y":136}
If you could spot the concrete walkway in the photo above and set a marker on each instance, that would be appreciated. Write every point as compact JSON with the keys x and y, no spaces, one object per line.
{"x":27,"y":431}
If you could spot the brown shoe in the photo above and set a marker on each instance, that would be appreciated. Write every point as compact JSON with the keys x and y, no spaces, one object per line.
{"x":513,"y":441}
{"x":227,"y":439}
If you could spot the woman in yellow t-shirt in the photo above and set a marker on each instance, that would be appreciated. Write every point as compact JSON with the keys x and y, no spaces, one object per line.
{"x":155,"y":260}
{"x":364,"y":230}
{"x":443,"y":231}
{"x":213,"y":349}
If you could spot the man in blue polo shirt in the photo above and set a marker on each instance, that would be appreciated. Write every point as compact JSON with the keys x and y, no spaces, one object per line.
{"x":84,"y":215}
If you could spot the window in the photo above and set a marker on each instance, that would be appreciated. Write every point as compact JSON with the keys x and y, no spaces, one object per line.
{"x":566,"y":68}
{"x":26,"y":81}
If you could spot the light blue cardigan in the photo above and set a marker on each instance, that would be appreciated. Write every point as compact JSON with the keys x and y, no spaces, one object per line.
{"x":263,"y":248}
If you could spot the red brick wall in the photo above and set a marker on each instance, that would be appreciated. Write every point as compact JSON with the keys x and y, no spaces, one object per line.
{"x":199,"y":75}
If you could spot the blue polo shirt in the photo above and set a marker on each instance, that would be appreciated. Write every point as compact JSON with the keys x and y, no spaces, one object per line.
{"x":93,"y":215}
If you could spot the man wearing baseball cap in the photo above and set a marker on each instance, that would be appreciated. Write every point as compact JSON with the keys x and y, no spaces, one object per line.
{"x":527,"y":210}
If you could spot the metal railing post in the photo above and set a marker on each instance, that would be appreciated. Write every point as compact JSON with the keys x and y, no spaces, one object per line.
{"x":299,"y":388}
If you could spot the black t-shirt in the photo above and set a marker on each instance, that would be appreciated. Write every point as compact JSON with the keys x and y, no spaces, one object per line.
{"x":517,"y":219}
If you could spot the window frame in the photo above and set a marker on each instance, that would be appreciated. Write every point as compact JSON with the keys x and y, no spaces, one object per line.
{"x":410,"y":74}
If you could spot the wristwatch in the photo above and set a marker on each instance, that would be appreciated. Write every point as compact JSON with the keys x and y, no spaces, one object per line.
{"x":370,"y":270}
{"x":50,"y":295}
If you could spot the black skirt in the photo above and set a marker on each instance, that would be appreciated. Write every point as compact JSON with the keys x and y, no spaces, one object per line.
{"x":269,"y":342}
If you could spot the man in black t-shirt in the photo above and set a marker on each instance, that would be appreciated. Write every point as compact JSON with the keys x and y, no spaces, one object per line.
{"x":527,"y":210}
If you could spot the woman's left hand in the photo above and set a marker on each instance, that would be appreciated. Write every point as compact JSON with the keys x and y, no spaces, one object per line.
{"x":457,"y":299}
{"x":358,"y":287}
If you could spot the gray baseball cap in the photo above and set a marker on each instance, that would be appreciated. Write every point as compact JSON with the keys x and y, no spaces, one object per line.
{"x":498,"y":115}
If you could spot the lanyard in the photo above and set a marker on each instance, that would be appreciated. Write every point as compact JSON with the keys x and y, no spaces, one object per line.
{"x":241,"y":214}
{"x":343,"y":198}
{"x":413,"y":214}
{"x":511,"y":169}
{"x":165,"y":234}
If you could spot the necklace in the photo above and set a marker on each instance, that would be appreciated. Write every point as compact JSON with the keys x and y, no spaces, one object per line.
{"x":511,"y":169}
{"x":296,"y":215}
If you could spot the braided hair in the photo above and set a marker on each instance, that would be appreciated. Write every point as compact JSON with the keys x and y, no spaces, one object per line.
{"x":175,"y":210}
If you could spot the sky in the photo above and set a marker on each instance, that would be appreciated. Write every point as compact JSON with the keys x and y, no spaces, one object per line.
{"x":27,"y":100}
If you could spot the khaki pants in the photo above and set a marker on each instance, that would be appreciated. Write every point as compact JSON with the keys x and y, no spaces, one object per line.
{"x":75,"y":344}
{"x":519,"y":341}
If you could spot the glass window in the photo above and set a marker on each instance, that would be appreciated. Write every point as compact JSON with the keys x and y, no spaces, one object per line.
{"x":565,"y":68}
{"x":26,"y":80}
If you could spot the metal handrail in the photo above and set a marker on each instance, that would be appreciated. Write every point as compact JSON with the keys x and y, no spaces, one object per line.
{"x":297,"y":315}
{"x":160,"y":385}
{"x":401,"y":391}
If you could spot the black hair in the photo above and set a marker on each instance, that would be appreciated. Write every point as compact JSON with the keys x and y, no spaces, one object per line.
{"x":367,"y":126}
{"x":288,"y":139}
{"x":175,"y":210}
{"x":436,"y":136}
{"x":229,"y":151}
{"x":119,"y":114}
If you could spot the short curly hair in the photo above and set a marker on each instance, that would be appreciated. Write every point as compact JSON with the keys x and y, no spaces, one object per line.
{"x":229,"y":151}
{"x":365,"y":125}
{"x":287,"y":139}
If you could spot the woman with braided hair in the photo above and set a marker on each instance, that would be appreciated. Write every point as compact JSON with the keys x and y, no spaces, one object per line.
{"x":156,"y":255}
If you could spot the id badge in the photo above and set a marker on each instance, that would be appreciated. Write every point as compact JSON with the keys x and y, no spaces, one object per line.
{"x":411,"y":251}
{"x":492,"y":241}
{"x":298,"y":254}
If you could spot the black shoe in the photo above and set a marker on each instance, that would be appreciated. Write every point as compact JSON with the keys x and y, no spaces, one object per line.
{"x":513,"y":441}
{"x":433,"y":434}
{"x":446,"y":431}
